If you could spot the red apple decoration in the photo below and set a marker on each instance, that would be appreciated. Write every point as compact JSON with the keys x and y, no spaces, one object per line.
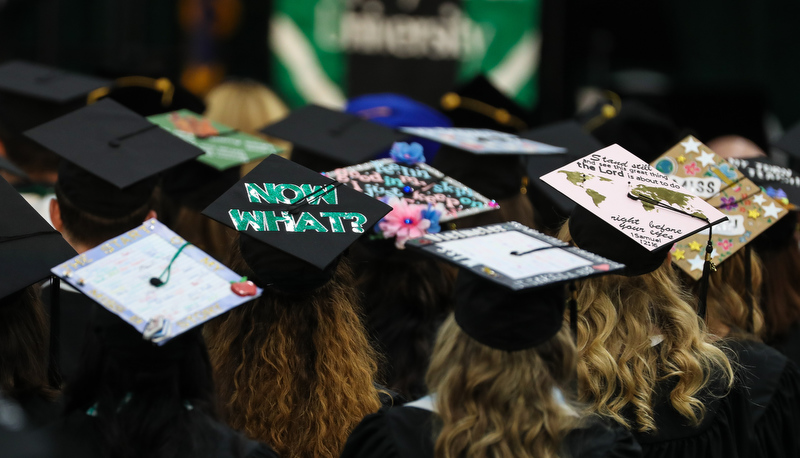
{"x":244,"y":288}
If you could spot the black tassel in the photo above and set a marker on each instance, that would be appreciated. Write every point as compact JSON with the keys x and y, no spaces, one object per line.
{"x":54,"y":370}
{"x":708,"y":267}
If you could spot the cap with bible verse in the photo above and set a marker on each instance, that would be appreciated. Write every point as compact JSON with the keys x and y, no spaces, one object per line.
{"x":331,"y":138}
{"x":510,"y":291}
{"x":750,"y":210}
{"x":297,"y":211}
{"x":627,"y":210}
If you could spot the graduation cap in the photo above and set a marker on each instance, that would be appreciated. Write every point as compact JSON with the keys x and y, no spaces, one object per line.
{"x":112,"y":156}
{"x":415,"y":183}
{"x":286,"y":207}
{"x":44,"y":83}
{"x":480,"y":104}
{"x":510,"y":294}
{"x":790,"y":144}
{"x":396,"y":110}
{"x":780,"y":183}
{"x":325,"y":139}
{"x":750,"y":210}
{"x":152,"y":279}
{"x":627,"y":210}
{"x":148,"y":96}
{"x":551,"y":205}
{"x":29,"y":246}
{"x":224,"y":146}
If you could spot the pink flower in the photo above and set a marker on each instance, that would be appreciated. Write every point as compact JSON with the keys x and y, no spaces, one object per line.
{"x":725,"y":244}
{"x":404,"y":222}
{"x":691,"y":168}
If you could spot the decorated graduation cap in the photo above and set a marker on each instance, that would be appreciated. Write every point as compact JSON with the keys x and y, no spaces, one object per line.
{"x":510,"y":292}
{"x":396,"y":110}
{"x":155,"y":281}
{"x":285,"y":207}
{"x":224,"y":147}
{"x":750,"y":210}
{"x":420,"y":195}
{"x":780,"y":183}
{"x":112,"y":156}
{"x":550,"y":204}
{"x":627,"y":210}
{"x":325,"y":139}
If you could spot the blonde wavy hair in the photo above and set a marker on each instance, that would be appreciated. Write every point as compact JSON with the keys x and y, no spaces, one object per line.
{"x":727,"y":297}
{"x":296,"y":370}
{"x":619,"y":368}
{"x":494,"y":403}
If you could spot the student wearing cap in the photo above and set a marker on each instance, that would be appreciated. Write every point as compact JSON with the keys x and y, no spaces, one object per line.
{"x":479,"y":104}
{"x":499,"y":380}
{"x":106,"y":185}
{"x":294,"y":367}
{"x":28,"y":248}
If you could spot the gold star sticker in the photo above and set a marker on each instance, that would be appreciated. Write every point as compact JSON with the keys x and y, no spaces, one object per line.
{"x":681,"y":159}
{"x":753,"y":214}
{"x":695,"y":246}
{"x":679,"y":254}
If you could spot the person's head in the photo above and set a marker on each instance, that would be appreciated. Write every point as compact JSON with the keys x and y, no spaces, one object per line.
{"x":294,"y":367}
{"x":406,"y":296}
{"x":780,"y":293}
{"x":735,"y":146}
{"x":619,"y":367}
{"x":148,"y":400}
{"x":727,"y":300}
{"x":89,"y":211}
{"x":485,"y":396}
{"x":23,"y":345}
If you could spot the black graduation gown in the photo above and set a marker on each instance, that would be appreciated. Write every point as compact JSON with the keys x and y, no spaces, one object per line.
{"x":725,"y":432}
{"x":407,"y":432}
{"x":77,"y":314}
{"x":789,"y":344}
{"x":773,"y":382}
{"x":77,"y":436}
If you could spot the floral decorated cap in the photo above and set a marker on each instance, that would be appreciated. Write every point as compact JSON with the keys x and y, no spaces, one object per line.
{"x":749,"y":207}
{"x":290,"y":208}
{"x":412,"y":188}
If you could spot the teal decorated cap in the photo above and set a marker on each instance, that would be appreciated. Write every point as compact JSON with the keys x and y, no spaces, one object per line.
{"x":295,"y":210}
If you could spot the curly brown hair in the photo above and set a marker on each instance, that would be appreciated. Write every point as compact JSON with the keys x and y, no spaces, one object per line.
{"x":497,"y":403}
{"x":295,"y":370}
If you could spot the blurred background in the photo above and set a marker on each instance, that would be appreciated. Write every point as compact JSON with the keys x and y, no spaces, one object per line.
{"x":720,"y":66}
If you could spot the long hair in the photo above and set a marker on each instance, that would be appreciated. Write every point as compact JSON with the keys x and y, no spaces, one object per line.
{"x":406,"y":296}
{"x":146,"y":405}
{"x":24,"y":345}
{"x":619,"y":368}
{"x":727,"y":297}
{"x":780,"y":293}
{"x":210,"y":236}
{"x":494,"y":403}
{"x":296,"y":370}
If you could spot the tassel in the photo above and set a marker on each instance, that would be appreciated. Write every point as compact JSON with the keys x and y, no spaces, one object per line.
{"x":708,"y":267}
{"x":54,"y":370}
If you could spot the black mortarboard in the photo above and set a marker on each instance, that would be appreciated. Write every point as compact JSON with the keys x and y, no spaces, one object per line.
{"x":29,"y":246}
{"x":112,"y":143}
{"x":149,"y":96}
{"x":325,"y":139}
{"x":195,"y":185}
{"x":45,"y":83}
{"x":790,"y":142}
{"x":509,"y":294}
{"x":780,"y":183}
{"x":286,"y":206}
{"x":550,"y":204}
{"x":479,"y":104}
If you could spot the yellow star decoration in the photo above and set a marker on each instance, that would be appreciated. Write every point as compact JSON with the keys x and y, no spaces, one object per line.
{"x":753,"y":214}
{"x":681,"y":159}
{"x":679,"y":254}
{"x":694,"y":246}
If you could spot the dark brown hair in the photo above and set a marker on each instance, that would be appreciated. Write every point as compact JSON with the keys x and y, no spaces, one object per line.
{"x":24,"y":345}
{"x":92,"y":230}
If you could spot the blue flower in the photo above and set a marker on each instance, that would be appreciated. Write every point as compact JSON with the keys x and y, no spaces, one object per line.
{"x":407,"y":153}
{"x":727,"y":171}
{"x":432,"y":214}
